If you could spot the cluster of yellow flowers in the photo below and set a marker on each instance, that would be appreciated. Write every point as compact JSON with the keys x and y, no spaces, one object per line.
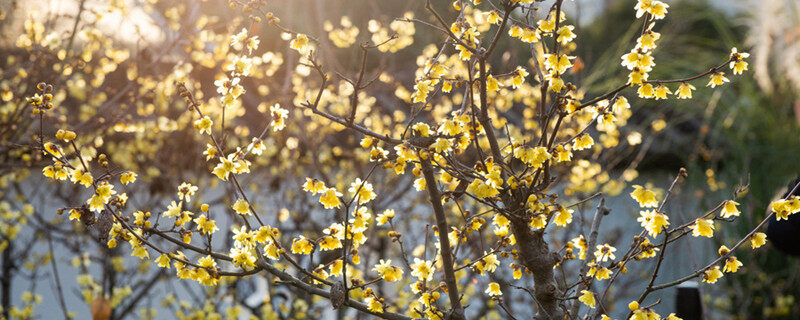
{"x":497,"y":136}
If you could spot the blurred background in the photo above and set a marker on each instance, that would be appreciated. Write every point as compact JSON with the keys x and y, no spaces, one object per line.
{"x":746,"y":133}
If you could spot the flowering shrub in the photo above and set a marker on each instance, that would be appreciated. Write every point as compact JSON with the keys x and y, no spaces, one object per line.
{"x":298,"y":167}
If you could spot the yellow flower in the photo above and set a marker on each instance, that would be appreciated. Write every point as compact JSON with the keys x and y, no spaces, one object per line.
{"x":603,"y":273}
{"x":685,"y":91}
{"x":557,"y":63}
{"x":534,"y":157}
{"x":785,"y":207}
{"x":388,"y":272}
{"x":336,"y":267}
{"x":637,"y":76}
{"x":205,"y":225}
{"x":517,"y":273}
{"x":703,"y":227}
{"x":105,"y":190}
{"x":587,"y":297}
{"x":490,"y":262}
{"x":65,"y":135}
{"x":491,"y":84}
{"x":646,"y":91}
{"x":385,"y":217}
{"x":242,"y":258}
{"x":55,"y":172}
{"x":186,"y":191}
{"x":163,"y":261}
{"x":661,"y":92}
{"x":565,"y":34}
{"x":225,"y":166}
{"x":757,"y":240}
{"x":210,"y":152}
{"x":549,"y":24}
{"x":580,"y":242}
{"x":447,"y":87}
{"x":563,"y":153}
{"x":204,"y":125}
{"x":653,"y":221}
{"x":422,"y":269}
{"x":638,"y":62}
{"x":732,"y":265}
{"x":645,"y":198}
{"x":264,"y":233}
{"x":173,"y":210}
{"x":299,"y":42}
{"x":441,"y":145}
{"x":278,"y":117}
{"x":241,"y":207}
{"x":656,"y":9}
{"x":239,"y":37}
{"x":239,"y":66}
{"x":329,"y":243}
{"x":362,"y":190}
{"x":519,"y":78}
{"x":538,"y":221}
{"x":738,"y":65}
{"x":302,"y":245}
{"x":605,"y":252}
{"x":493,"y":17}
{"x":374,"y":305}
{"x":140,"y":252}
{"x":494,"y":289}
{"x":630,"y":60}
{"x":717,"y":79}
{"x":556,"y":83}
{"x":481,"y":189}
{"x":330,"y":198}
{"x":648,"y":249}
{"x":531,"y":35}
{"x":730,"y":210}
{"x":314,"y":186}
{"x":422,"y":128}
{"x":127,"y":177}
{"x":74,"y":214}
{"x":252,"y":44}
{"x":84,"y":178}
{"x":272,"y":251}
{"x":367,"y":142}
{"x":644,"y":314}
{"x":621,"y":104}
{"x":583,"y":141}
{"x":712,"y":275}
{"x":102,"y":195}
{"x":648,"y":40}
{"x":207,"y":262}
{"x":563,"y":217}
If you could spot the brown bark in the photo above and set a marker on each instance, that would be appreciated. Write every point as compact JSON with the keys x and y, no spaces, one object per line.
{"x":444,"y":241}
{"x":535,"y":255}
{"x":5,"y":280}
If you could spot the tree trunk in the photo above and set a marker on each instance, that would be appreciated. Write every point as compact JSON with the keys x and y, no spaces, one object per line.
{"x":535,"y":255}
{"x":5,"y":280}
